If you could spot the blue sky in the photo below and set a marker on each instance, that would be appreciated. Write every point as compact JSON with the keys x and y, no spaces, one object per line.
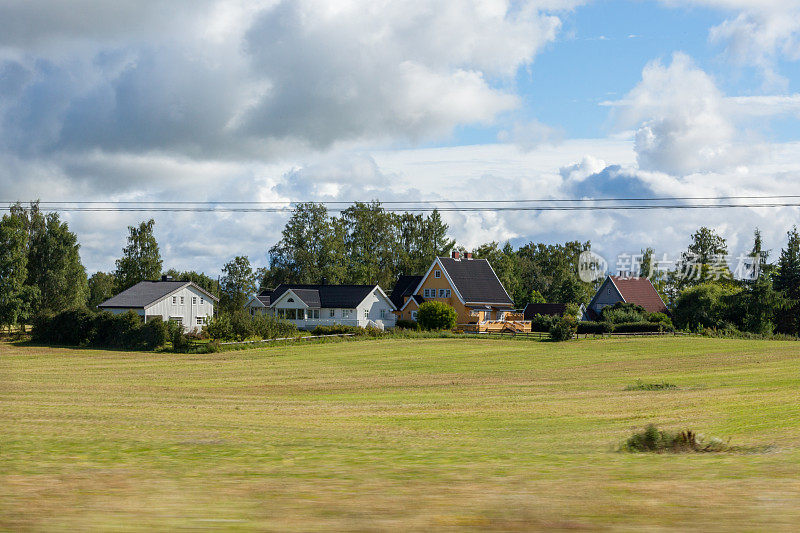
{"x":312,"y":100}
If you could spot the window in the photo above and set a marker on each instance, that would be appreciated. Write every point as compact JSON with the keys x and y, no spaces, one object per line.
{"x":313,"y":314}
{"x":301,"y":314}
{"x":332,"y":313}
{"x":413,"y":315}
{"x":290,"y":300}
{"x":383,"y":314}
{"x":194,"y":300}
{"x":201,"y":300}
{"x":444,"y":293}
{"x":181,"y":300}
{"x":609,"y":290}
{"x":202,"y":320}
{"x":174,"y":300}
{"x":176,"y":319}
{"x":366,"y":313}
{"x":346,"y":313}
{"x":437,"y":274}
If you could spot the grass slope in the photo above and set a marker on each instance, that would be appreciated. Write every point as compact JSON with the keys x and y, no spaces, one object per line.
{"x":418,"y":435}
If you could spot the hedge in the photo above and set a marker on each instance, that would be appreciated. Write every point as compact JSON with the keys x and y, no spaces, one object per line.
{"x":81,"y":327}
{"x":598,"y":328}
{"x":595,"y":328}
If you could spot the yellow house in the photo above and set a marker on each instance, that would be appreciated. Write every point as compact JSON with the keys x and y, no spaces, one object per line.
{"x":469,"y":285}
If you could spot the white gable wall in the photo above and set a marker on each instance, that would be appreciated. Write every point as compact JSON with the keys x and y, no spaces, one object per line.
{"x":187,"y":311}
{"x":369,"y":310}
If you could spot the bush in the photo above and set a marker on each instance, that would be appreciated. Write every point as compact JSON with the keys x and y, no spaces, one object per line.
{"x":219,"y":328}
{"x":406,"y":324}
{"x":655,"y":441}
{"x":338,"y":329}
{"x":594,"y":328}
{"x":242,"y":325}
{"x":663,"y":385}
{"x":661,"y":318}
{"x":640,"y":327}
{"x":564,"y":329}
{"x":435,"y":315}
{"x":622,"y":312}
{"x":81,"y":327}
{"x":543,"y":322}
{"x":180,"y":343}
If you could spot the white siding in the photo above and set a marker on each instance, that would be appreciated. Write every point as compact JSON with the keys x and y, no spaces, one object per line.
{"x":373,"y":304}
{"x":187,"y":311}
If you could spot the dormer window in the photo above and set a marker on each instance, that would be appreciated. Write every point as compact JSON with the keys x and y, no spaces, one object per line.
{"x":437,"y":274}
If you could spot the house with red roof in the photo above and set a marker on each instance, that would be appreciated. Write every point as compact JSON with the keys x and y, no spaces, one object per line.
{"x":617,"y":289}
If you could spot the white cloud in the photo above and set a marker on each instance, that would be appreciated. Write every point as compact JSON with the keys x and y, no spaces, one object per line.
{"x":682,"y":122}
{"x":759,"y":33}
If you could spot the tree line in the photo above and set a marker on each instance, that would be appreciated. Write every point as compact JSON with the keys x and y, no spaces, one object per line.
{"x":41,"y":271}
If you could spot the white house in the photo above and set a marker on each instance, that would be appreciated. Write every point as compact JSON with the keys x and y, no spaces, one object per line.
{"x":309,"y":306}
{"x":179,"y":301}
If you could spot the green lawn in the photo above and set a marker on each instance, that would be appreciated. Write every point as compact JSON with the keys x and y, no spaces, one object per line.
{"x":438,"y":434}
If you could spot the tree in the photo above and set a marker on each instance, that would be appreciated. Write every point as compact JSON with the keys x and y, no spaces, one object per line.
{"x":759,"y":256}
{"x":310,"y":249}
{"x":140,"y":259}
{"x":54,"y":265}
{"x":237,"y":284}
{"x":198,"y":278}
{"x":787,"y":280}
{"x":13,"y":271}
{"x":758,"y":306}
{"x":705,"y":259}
{"x":436,"y":315}
{"x":552,"y":270}
{"x":706,"y":305}
{"x":370,"y":244}
{"x":101,"y":288}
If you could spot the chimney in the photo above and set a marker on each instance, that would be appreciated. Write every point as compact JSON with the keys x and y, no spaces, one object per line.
{"x":469,"y":255}
{"x":456,"y":254}
{"x":164,"y":277}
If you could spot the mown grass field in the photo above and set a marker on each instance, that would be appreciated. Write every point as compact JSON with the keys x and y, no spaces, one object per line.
{"x":436,"y":434}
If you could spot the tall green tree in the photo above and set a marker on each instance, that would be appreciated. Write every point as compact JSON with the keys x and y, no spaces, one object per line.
{"x":101,"y":288}
{"x":54,"y":265}
{"x":13,"y":270}
{"x":787,"y":280}
{"x":370,"y":244}
{"x":705,"y":259}
{"x":311,"y":249}
{"x":552,"y":271}
{"x":237,"y":284}
{"x":140,"y":259}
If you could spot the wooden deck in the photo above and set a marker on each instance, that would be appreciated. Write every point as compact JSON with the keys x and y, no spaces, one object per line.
{"x":497,"y":326}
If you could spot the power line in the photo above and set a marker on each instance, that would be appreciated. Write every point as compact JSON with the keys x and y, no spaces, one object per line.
{"x":409,"y":202}
{"x":533,"y":208}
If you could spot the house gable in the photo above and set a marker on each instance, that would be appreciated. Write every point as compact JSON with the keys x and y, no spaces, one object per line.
{"x":430,"y":281}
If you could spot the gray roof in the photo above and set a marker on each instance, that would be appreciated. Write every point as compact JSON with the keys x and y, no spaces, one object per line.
{"x":327,"y":296}
{"x":476,"y":281}
{"x":144,"y":293}
{"x":404,"y":287}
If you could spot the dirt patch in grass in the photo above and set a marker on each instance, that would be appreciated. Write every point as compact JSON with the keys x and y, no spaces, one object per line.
{"x":640,"y":385}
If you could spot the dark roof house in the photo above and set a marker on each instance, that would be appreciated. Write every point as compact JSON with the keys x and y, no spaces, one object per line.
{"x":616,"y":289}
{"x":476,"y":281}
{"x":404,"y":287}
{"x":319,"y":296}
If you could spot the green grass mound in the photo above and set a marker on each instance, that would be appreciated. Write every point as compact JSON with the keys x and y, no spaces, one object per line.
{"x":653,"y":440}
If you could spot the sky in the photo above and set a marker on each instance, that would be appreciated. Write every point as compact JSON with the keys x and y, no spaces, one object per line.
{"x":211,"y":100}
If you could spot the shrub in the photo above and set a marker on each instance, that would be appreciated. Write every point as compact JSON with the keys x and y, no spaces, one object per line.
{"x":338,"y":329}
{"x":661,"y":318}
{"x":656,"y":441}
{"x":435,"y":315}
{"x":242,"y":325}
{"x":622,"y":312}
{"x":219,"y":328}
{"x":543,"y":322}
{"x":179,"y":341}
{"x":564,"y":329}
{"x":640,"y":327}
{"x":81,"y":327}
{"x":596,"y":328}
{"x":406,"y":324}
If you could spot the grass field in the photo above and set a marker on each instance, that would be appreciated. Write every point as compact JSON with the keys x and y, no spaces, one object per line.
{"x":436,"y":434}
